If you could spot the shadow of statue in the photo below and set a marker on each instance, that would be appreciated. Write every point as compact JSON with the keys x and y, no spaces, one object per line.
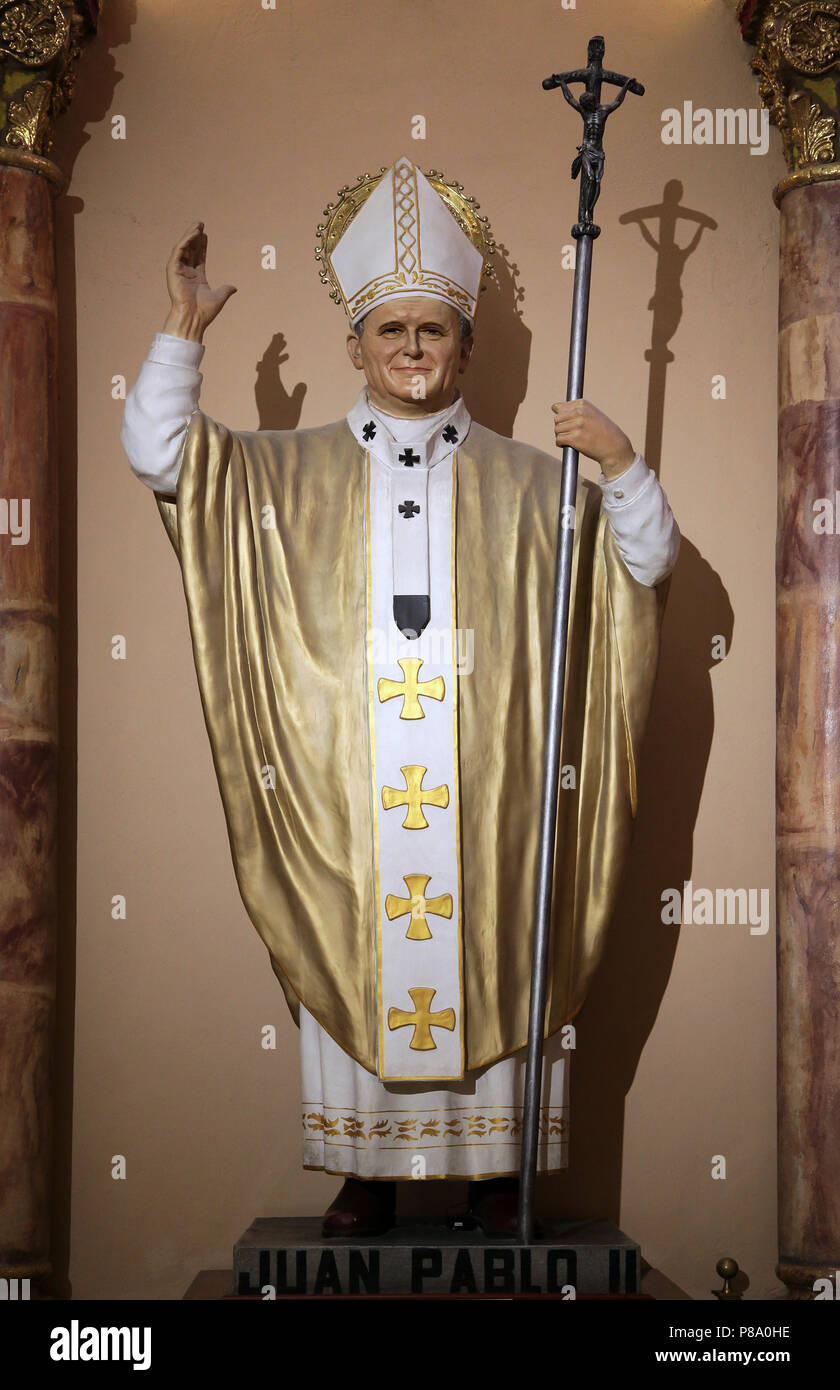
{"x":276,"y":408}
{"x":626,"y":994}
{"x":493,"y":397}
{"x":667,"y":298}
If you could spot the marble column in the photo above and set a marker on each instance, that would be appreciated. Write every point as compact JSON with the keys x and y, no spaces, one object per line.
{"x":797,"y":62}
{"x":39,"y":45}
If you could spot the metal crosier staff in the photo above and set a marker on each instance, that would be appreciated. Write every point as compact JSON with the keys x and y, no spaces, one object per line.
{"x":589,"y":163}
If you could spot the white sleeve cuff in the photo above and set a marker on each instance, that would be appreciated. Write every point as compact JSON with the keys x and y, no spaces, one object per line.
{"x":158,"y":409}
{"x":642,"y":522}
{"x":174,"y":351}
{"x":623,"y":490}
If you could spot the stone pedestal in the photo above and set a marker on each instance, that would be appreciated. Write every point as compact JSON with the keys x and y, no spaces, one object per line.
{"x":572,"y":1258}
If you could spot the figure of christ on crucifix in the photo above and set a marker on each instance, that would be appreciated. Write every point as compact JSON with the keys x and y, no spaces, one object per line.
{"x":589,"y":161}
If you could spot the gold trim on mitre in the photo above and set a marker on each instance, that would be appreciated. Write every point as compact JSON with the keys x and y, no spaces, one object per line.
{"x":462,"y":206}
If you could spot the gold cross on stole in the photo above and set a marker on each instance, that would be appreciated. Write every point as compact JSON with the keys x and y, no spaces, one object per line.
{"x":414,"y":797}
{"x":422,"y":1019}
{"x":418,"y":905}
{"x":411,"y":688}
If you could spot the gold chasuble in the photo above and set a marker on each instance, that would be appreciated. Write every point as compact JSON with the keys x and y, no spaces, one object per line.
{"x":270,"y":530}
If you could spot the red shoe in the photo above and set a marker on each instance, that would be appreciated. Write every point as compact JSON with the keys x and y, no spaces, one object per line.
{"x":494,"y":1207}
{"x":362,"y":1208}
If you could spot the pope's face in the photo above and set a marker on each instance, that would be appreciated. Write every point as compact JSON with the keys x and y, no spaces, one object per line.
{"x":411,"y":354}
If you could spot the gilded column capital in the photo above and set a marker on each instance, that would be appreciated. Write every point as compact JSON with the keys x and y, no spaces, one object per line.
{"x":40,"y":43}
{"x":797,"y":64}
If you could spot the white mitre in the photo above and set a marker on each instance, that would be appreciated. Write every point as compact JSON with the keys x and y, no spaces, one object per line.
{"x":404,"y":241}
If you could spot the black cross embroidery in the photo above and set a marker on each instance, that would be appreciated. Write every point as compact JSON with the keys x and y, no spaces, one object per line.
{"x":409,"y":458}
{"x":369,"y":430}
{"x":408,"y":509}
{"x":450,"y":434}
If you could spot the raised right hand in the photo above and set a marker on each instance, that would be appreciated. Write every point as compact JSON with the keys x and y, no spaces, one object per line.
{"x":194,"y":303}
